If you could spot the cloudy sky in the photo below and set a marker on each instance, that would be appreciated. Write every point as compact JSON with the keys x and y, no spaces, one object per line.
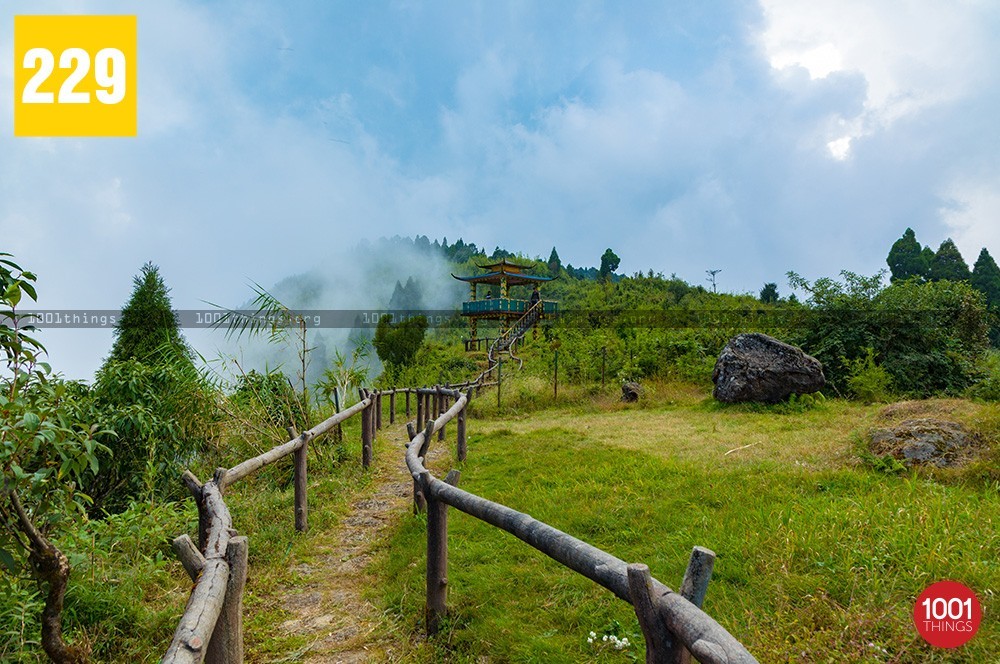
{"x":754,"y":137}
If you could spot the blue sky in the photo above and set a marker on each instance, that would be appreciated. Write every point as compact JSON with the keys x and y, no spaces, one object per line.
{"x":755,"y":137}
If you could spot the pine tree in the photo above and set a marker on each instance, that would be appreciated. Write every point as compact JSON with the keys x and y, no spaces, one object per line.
{"x":148,"y":326}
{"x":906,"y":259}
{"x":986,"y":278}
{"x":769,"y":293}
{"x":554,"y":262}
{"x":949,"y":264}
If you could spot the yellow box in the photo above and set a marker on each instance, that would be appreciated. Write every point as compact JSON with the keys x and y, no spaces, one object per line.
{"x":56,"y":95}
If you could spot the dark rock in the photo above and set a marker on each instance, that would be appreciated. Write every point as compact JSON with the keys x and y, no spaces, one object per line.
{"x":756,"y":367}
{"x":923,"y":441}
{"x":631,"y":391}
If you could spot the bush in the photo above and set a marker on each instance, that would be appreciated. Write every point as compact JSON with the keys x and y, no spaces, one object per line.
{"x":271,"y":395}
{"x":161,"y":417}
{"x":930,"y":337}
{"x":868,"y":381}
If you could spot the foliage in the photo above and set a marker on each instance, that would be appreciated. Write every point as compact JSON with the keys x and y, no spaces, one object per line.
{"x":869,"y":382}
{"x":769,"y":293}
{"x":148,"y":328}
{"x":986,"y":278}
{"x":274,"y":395}
{"x":554,"y":263}
{"x":47,"y":446}
{"x":906,"y":259}
{"x":397,"y":344}
{"x":609,"y":263}
{"x":278,"y":321}
{"x":928,"y":336}
{"x":949,"y":264}
{"x":346,"y":375}
{"x":161,"y":415}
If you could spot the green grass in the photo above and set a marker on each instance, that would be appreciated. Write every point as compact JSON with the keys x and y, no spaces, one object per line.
{"x":820,"y":555}
{"x":820,"y":558}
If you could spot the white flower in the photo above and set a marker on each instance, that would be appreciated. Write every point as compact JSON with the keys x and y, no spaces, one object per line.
{"x":593,"y":635}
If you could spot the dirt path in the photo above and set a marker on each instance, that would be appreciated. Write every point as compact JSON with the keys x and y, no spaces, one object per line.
{"x":328,"y":606}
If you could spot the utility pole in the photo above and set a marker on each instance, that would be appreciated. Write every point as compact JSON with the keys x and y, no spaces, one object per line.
{"x":711,"y":277}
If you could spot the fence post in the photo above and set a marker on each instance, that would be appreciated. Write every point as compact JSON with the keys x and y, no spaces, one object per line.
{"x":694,"y":587}
{"x":407,"y":403}
{"x":437,"y":553}
{"x":378,"y":410}
{"x":339,"y":436}
{"x":392,"y":406}
{"x":460,"y":426}
{"x":366,"y":436}
{"x":420,"y":410}
{"x":442,"y":407}
{"x":659,"y":644}
{"x":419,"y":497}
{"x":226,"y":644}
{"x":300,"y":478}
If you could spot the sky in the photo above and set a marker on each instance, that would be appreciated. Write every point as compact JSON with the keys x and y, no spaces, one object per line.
{"x":754,"y":137}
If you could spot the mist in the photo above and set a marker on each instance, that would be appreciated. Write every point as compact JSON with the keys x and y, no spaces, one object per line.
{"x":390,"y":273}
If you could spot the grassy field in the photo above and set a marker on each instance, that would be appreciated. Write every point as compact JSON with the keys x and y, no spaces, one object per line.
{"x":821,"y":551}
{"x":820,"y":555}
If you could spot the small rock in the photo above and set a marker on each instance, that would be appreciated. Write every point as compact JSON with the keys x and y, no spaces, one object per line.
{"x":631,"y":391}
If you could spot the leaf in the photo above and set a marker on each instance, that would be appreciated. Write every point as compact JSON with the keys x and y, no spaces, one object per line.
{"x":13,"y":293}
{"x":31,"y":422}
{"x":8,"y":561}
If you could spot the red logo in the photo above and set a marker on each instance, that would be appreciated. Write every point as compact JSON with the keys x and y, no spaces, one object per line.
{"x":947,"y":614}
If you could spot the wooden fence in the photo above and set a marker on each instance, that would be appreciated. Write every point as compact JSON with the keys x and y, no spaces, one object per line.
{"x":673,"y":624}
{"x":211,"y":628}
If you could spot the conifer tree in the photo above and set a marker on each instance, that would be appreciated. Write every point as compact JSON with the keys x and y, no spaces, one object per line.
{"x":554,"y":262}
{"x":906,"y":259}
{"x":949,"y":264}
{"x":148,"y":325}
{"x":986,"y":278}
{"x":769,"y":293}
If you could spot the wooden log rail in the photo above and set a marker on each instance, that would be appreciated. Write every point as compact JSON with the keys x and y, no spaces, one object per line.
{"x":211,"y":628}
{"x":673,"y":624}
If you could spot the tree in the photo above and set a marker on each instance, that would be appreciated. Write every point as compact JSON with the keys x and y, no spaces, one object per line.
{"x":398,"y":344}
{"x":769,"y":293}
{"x":949,"y":264}
{"x":46,"y":447}
{"x":986,"y":277}
{"x":906,"y":259}
{"x":554,"y":262}
{"x":609,"y":263}
{"x":148,"y":325}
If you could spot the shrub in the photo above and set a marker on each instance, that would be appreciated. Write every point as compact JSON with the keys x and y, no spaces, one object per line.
{"x":161,"y":417}
{"x":868,"y":381}
{"x":929,"y":336}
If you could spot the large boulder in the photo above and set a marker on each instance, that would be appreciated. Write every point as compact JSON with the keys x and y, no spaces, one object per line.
{"x":756,"y":367}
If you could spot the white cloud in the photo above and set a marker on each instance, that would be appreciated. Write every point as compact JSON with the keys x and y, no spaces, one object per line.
{"x":972,"y":213}
{"x":913,"y":56}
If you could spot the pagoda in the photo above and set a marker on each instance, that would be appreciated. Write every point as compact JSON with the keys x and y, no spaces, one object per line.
{"x":508,"y":311}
